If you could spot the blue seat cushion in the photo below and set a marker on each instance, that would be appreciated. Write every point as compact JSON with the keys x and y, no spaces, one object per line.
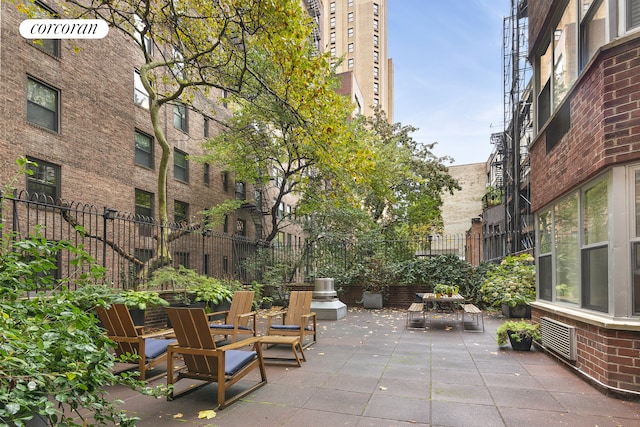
{"x":289,"y":327}
{"x":155,"y":347}
{"x":225,"y":326}
{"x":234,"y":360}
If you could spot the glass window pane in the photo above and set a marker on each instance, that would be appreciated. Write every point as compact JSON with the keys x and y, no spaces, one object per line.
{"x":596,"y":216}
{"x":567,"y":250}
{"x":565,"y":66}
{"x":633,"y":14}
{"x":44,"y":180}
{"x":545,"y":277}
{"x":144,"y":149}
{"x":637,"y":204}
{"x":636,"y":278}
{"x":140,"y":95}
{"x":595,"y":289}
{"x":544,"y":227}
{"x":594,"y":32}
{"x":180,"y":166}
{"x":42,"y":105}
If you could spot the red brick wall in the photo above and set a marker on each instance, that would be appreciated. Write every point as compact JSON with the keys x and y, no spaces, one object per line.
{"x":610,"y":356}
{"x":605,"y":126}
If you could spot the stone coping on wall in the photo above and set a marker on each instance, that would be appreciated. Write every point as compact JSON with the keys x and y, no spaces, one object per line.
{"x":589,"y":317}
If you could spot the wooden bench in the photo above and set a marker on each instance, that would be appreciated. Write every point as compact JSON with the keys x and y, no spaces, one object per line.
{"x":475,"y":313}
{"x":416,"y":308}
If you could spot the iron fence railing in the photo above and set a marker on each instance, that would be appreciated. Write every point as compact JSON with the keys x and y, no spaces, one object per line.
{"x":126,"y":244}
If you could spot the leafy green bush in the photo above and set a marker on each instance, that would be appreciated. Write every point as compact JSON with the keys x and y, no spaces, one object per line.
{"x":513,"y":282}
{"x":55,"y":359}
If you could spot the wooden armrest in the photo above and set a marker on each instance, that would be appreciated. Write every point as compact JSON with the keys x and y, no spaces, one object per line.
{"x":276,"y":313}
{"x":251,"y":313}
{"x":239,"y":344}
{"x":162,"y":333}
{"x":217,"y":313}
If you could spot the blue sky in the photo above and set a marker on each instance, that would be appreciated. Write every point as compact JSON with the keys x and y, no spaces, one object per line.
{"x":447,"y":57}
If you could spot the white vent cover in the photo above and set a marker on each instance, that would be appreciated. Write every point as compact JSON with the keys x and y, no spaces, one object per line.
{"x":559,"y":337}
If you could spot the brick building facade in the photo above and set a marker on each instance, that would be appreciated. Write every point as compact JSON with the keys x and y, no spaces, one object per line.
{"x":585,"y":184}
{"x":75,"y":107}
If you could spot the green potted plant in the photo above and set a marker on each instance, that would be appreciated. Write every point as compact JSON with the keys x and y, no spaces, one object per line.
{"x":213,"y":292}
{"x":520,"y":333}
{"x":511,"y":286}
{"x":139,"y":301}
{"x":266,"y":302}
{"x":448,"y":290}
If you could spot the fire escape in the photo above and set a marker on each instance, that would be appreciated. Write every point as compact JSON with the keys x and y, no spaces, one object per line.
{"x":511,"y":154}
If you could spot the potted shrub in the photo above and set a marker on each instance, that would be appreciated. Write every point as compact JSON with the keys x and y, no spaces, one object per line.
{"x":519,"y":333}
{"x":266,"y":302}
{"x":213,"y":292}
{"x":448,"y":290}
{"x":375,"y":276}
{"x":139,"y":301}
{"x":511,"y":286}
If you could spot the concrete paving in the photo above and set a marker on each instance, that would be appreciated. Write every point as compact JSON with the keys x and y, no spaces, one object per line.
{"x":368,"y":369}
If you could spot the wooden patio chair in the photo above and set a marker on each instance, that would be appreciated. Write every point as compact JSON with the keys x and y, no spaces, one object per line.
{"x":149,"y":349}
{"x":297,"y":319}
{"x":236,"y":319}
{"x":204,"y":361}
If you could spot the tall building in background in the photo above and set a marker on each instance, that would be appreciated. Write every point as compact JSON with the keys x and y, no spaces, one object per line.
{"x":356,"y":32}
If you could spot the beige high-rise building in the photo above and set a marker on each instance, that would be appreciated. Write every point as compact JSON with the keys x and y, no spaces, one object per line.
{"x":356,"y":31}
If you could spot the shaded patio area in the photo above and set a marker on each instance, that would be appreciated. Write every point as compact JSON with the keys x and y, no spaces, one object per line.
{"x":368,"y":369}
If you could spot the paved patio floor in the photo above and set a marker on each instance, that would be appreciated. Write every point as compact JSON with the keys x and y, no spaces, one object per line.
{"x":368,"y":369}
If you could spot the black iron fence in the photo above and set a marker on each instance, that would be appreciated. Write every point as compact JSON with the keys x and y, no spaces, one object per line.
{"x":127,"y":245}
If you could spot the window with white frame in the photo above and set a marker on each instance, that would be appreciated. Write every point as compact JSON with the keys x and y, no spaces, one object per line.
{"x":376,"y":56}
{"x":332,"y":7}
{"x":140,"y":94}
{"x":376,"y":72}
{"x":375,"y":40}
{"x":375,"y":25}
{"x":375,"y":9}
{"x":350,"y":17}
{"x":376,"y":88}
{"x":332,"y":37}
{"x":350,"y":47}
{"x":350,"y":62}
{"x":43,"y":105}
{"x":350,"y":32}
{"x":595,"y":247}
{"x":573,"y":248}
{"x":333,"y":51}
{"x":140,"y":28}
{"x":332,"y":22}
{"x":350,"y":3}
{"x":635,"y":244}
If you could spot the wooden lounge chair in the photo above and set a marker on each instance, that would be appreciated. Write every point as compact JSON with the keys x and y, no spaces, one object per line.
{"x":204,"y":361}
{"x":151,"y":349}
{"x":297,"y":319}
{"x":236,"y":319}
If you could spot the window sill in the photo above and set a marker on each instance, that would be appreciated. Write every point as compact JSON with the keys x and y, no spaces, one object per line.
{"x":589,"y":317}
